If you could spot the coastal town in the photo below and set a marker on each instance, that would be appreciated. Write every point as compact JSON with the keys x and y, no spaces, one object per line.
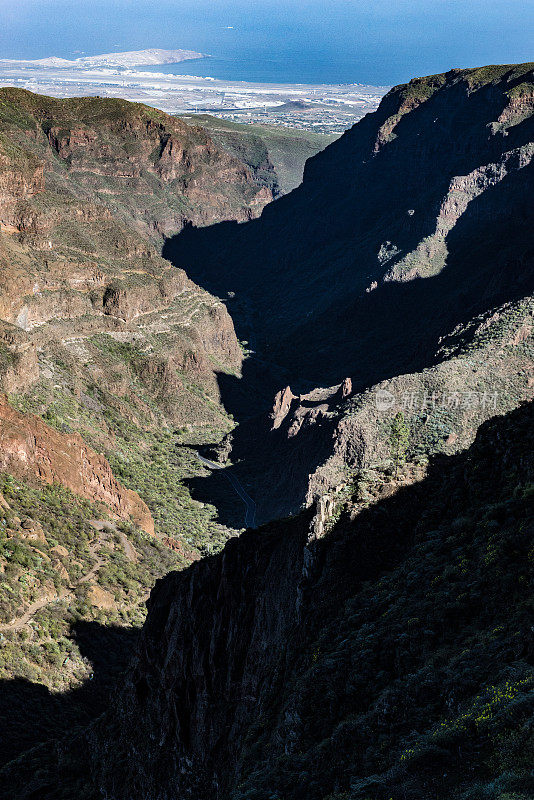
{"x":321,"y":108}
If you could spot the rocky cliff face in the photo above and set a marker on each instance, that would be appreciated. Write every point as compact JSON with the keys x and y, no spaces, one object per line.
{"x":19,"y":368}
{"x":17,"y":184}
{"x":292,"y":667}
{"x":276,"y":155}
{"x":31,"y":449}
{"x":404,"y":261}
{"x":88,"y":188}
{"x":190,"y":725}
{"x":111,"y":360}
{"x":160,"y":171}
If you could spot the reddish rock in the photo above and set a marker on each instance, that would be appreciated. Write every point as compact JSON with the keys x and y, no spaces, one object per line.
{"x":345,"y":390}
{"x":19,"y":368}
{"x":178,"y":547}
{"x":32,"y":529}
{"x":100,"y":598}
{"x":29,"y":448}
{"x":281,"y":406}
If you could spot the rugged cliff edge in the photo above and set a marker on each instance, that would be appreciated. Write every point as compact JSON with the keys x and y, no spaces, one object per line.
{"x":391,"y":658}
{"x":405,"y":262}
{"x":110,"y":359}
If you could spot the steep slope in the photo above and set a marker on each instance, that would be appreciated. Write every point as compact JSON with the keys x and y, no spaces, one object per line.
{"x":390,"y":658}
{"x":87,"y":188}
{"x":67,"y":567}
{"x":414,"y":221}
{"x":276,"y":154}
{"x":98,"y":332}
{"x":116,"y":355}
{"x":404,"y":264}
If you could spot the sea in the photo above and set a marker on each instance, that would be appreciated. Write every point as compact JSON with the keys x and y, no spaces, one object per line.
{"x":372,"y":42}
{"x":270,"y":70}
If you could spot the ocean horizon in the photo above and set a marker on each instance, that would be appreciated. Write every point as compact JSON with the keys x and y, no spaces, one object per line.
{"x":269,"y":70}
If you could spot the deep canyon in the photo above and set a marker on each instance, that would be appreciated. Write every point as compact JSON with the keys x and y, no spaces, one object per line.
{"x":357,"y":356}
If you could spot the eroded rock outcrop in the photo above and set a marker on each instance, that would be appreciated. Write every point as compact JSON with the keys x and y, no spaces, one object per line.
{"x":19,"y":368}
{"x":21,"y":177}
{"x":30,"y":448}
{"x":405,"y":260}
{"x":274,"y":666}
{"x":345,"y":390}
{"x":281,"y":406}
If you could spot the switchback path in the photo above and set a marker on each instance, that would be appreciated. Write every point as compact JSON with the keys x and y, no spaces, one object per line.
{"x":19,"y":622}
{"x":250,"y":505}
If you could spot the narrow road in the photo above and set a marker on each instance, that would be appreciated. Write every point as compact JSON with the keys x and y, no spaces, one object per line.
{"x":250,"y":505}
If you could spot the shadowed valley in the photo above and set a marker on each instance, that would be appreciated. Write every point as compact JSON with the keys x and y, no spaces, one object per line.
{"x":371,"y":413}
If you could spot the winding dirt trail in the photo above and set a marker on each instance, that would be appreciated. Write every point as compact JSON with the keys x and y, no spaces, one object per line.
{"x":103,"y":528}
{"x":36,"y":606}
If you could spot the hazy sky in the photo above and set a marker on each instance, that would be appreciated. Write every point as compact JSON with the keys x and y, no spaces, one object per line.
{"x":372,"y":41}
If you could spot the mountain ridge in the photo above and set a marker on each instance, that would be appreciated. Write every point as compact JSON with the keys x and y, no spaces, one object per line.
{"x":374,"y":644}
{"x":403,"y":262}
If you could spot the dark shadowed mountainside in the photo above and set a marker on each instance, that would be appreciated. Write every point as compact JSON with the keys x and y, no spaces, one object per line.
{"x":414,"y":221}
{"x":392,"y":658}
{"x":404,"y":263}
{"x":371,"y":641}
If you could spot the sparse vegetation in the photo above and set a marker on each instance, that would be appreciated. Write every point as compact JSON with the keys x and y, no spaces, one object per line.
{"x":48,"y":548}
{"x":275,"y":153}
{"x":399,"y":438}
